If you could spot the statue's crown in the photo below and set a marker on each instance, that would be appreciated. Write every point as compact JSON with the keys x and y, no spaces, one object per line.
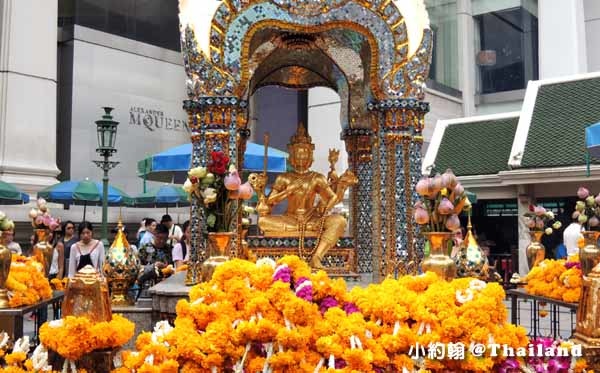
{"x":300,"y":137}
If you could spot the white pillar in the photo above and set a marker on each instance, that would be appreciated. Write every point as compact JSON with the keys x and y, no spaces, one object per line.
{"x":466,"y":55}
{"x":592,"y":30}
{"x":523,"y":201}
{"x":28,"y":37}
{"x":562,"y":42}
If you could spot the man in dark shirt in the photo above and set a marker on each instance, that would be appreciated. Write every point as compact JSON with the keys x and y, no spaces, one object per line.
{"x":157,"y":251}
{"x":154,"y":256}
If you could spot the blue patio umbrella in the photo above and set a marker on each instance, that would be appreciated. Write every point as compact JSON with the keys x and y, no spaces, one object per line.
{"x":173,"y":164}
{"x":11,"y":195}
{"x":592,"y":142}
{"x":85,"y":193}
{"x":167,"y":195}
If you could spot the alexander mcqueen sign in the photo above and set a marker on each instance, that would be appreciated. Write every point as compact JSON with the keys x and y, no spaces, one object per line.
{"x":154,"y":120}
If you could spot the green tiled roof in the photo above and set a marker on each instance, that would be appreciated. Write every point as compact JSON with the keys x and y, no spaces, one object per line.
{"x":477,"y":148}
{"x":557,"y":131}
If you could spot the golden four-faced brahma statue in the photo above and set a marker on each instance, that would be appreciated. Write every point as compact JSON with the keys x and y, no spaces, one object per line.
{"x":306,"y":215}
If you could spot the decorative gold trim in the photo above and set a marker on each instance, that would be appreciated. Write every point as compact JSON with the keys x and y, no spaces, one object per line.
{"x":290,"y":27}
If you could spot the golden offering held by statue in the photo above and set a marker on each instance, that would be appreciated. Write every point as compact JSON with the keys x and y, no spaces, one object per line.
{"x":307,"y":215}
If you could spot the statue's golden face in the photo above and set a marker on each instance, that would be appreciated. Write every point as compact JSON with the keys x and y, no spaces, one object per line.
{"x":301,"y":157}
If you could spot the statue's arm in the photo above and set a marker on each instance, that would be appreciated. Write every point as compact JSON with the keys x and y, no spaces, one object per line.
{"x":280,"y":191}
{"x":326,"y":193}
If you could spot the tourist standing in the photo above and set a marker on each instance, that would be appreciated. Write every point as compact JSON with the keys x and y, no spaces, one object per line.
{"x":181,"y":253}
{"x":148,"y":235}
{"x":63,"y":247}
{"x":87,"y":251}
{"x":175,"y":232}
{"x":571,"y":236}
{"x":13,"y":246}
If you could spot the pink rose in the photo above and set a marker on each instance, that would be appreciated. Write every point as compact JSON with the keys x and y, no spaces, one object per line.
{"x":539,"y":210}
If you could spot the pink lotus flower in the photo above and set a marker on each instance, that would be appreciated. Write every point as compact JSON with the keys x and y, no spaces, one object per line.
{"x":233,"y":194}
{"x":54,"y":225}
{"x":47,"y":219}
{"x":575,"y":215}
{"x":33,"y":213}
{"x":424,"y":187}
{"x":421,"y":216}
{"x":459,"y":189}
{"x":448,"y":179}
{"x":582,"y":193}
{"x":446,"y":207}
{"x":246,"y":191}
{"x":453,"y":223}
{"x":539,"y":223}
{"x":597,"y":199}
{"x":593,"y":222}
{"x":232,"y":181}
{"x":436,"y":185}
{"x":39,"y":220}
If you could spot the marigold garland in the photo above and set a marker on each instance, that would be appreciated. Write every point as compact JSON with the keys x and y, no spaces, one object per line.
{"x":556,"y":279}
{"x":73,"y":337}
{"x":280,"y":317}
{"x":26,"y":282}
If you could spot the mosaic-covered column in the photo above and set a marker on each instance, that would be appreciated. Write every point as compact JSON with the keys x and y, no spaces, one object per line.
{"x":398,"y":125}
{"x":214,"y":123}
{"x":358,"y":145}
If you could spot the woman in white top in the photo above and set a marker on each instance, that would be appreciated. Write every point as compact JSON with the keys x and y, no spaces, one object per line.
{"x":87,"y":251}
{"x":181,"y":250}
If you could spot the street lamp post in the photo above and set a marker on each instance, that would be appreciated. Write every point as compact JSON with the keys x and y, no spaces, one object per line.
{"x":107,"y":135}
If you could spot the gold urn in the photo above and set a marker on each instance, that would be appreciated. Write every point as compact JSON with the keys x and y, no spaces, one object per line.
{"x":438,"y":261}
{"x":43,"y":250}
{"x":587,"y":329}
{"x":121,"y":269}
{"x":87,"y":296}
{"x":5,"y":260}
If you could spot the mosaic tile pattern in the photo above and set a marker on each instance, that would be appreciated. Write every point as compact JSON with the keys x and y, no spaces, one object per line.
{"x":351,"y":11}
{"x":364,"y":232}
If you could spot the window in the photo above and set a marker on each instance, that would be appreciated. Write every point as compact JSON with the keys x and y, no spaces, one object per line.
{"x":149,"y":21}
{"x":444,"y":64}
{"x":506,"y":43}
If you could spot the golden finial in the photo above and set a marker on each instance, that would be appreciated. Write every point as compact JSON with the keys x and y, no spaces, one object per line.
{"x":301,"y":137}
{"x":120,"y":239}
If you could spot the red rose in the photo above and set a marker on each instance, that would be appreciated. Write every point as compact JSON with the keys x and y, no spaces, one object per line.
{"x":194,"y":180}
{"x":218,"y":163}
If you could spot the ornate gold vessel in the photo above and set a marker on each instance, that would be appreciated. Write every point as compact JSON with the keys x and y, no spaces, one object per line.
{"x":536,"y":252}
{"x":42,"y":251}
{"x":438,"y":261}
{"x":587,"y":329}
{"x":87,"y":296}
{"x":471,"y":261}
{"x":589,"y":254}
{"x":121,"y":269}
{"x":218,"y":251}
{"x":5,"y":259}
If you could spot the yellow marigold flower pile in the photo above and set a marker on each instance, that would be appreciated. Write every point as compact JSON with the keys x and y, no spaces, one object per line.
{"x":26,"y":282}
{"x":280,"y":317}
{"x":73,"y":337}
{"x":556,"y":279}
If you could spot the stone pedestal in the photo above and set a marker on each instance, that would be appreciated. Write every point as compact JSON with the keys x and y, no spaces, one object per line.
{"x":165,"y":296}
{"x":141,"y":315}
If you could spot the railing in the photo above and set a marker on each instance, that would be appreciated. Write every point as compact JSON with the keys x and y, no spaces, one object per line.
{"x":541,"y":316}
